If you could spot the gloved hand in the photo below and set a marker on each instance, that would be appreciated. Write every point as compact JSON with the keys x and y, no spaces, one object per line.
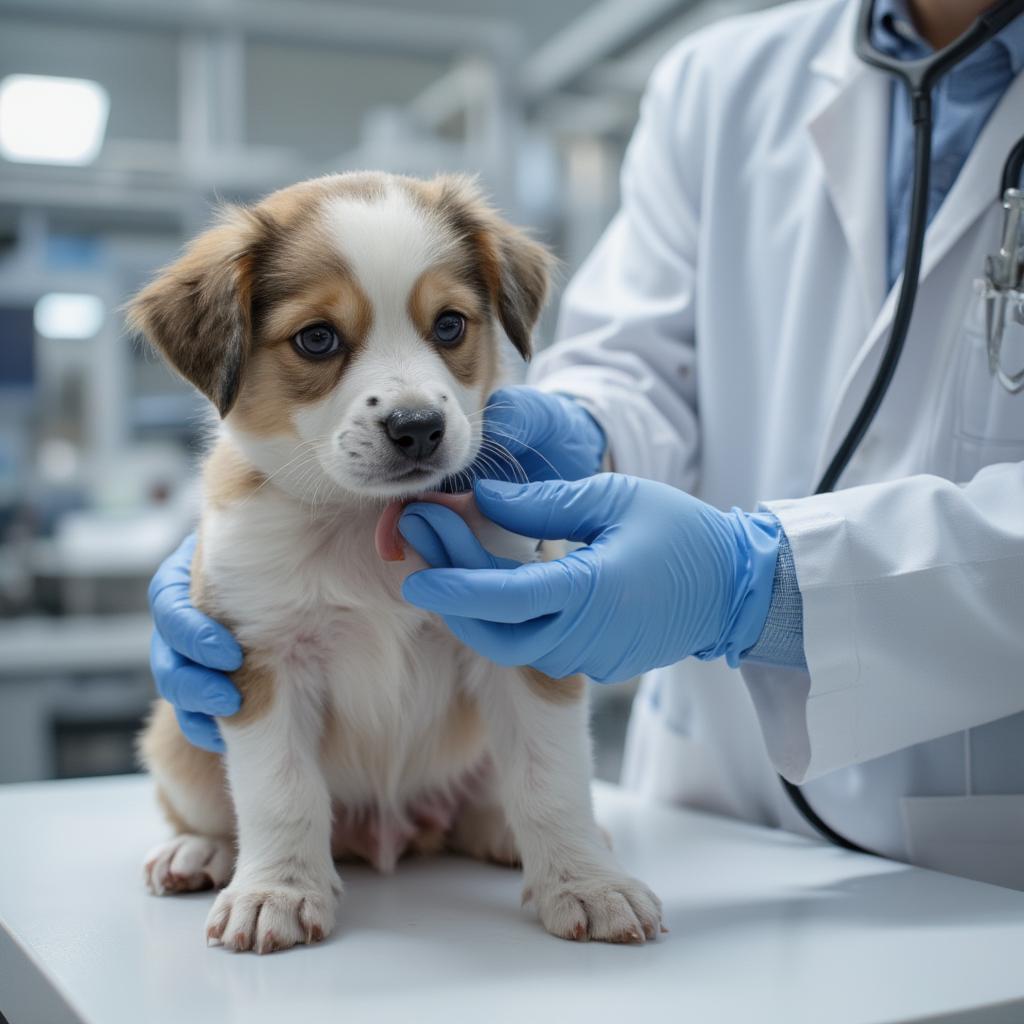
{"x":663,"y":576}
{"x":549,"y":436}
{"x":190,"y":653}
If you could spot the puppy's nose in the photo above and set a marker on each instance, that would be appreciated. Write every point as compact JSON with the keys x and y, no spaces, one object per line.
{"x":416,"y":433}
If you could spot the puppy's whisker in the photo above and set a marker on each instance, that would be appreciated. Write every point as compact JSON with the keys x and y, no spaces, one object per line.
{"x":306,"y":473}
{"x":489,"y":408}
{"x":324,"y":487}
{"x":492,"y":462}
{"x":529,"y":448}
{"x":307,"y":470}
{"x":494,"y":457}
{"x":301,"y":453}
{"x":501,"y":452}
{"x":312,"y":475}
{"x":504,"y":452}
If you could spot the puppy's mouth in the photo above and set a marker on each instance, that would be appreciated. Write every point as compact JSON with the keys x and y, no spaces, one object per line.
{"x":395,"y":481}
{"x":388,"y":540}
{"x":388,"y":482}
{"x":413,"y":473}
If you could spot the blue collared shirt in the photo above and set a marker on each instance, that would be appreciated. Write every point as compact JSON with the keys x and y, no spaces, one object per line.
{"x":961,"y":104}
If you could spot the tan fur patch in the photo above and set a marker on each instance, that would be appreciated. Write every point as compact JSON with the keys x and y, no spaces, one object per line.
{"x":256,"y":683}
{"x":262,"y":409}
{"x":309,"y":285}
{"x":197,"y":582}
{"x":463,"y":732}
{"x":511,"y":267}
{"x":427,"y":842}
{"x":228,"y":477}
{"x":174,"y":819}
{"x":337,"y":299}
{"x":557,"y":691}
{"x":167,"y":754}
{"x":474,"y":360}
{"x":293,"y":203}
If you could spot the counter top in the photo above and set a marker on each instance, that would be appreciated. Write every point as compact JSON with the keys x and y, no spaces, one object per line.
{"x":765,"y":926}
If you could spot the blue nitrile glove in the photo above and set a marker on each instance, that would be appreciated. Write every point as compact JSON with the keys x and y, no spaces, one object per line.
{"x":663,"y":576}
{"x":530,"y":434}
{"x":190,"y":653}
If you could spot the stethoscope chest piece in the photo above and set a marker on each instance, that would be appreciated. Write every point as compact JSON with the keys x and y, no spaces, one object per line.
{"x":1001,"y":288}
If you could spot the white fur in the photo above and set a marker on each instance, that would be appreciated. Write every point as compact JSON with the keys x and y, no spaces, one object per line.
{"x":295,"y":565}
{"x":283,"y":813}
{"x":387,"y":243}
{"x":315,"y":593}
{"x":541,"y":753}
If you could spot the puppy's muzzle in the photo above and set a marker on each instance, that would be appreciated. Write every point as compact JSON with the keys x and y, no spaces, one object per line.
{"x":416,"y":433}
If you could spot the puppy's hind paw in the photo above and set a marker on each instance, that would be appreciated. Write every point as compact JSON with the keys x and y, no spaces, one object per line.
{"x":606,"y":908}
{"x":188,"y":863}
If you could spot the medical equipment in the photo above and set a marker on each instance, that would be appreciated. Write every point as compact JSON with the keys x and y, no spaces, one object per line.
{"x":1001,"y":287}
{"x":1003,"y":271}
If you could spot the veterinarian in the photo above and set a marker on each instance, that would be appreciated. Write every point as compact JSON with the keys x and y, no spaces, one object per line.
{"x":717,"y":349}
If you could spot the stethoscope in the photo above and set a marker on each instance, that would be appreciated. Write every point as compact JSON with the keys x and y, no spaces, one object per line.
{"x":1001,"y":288}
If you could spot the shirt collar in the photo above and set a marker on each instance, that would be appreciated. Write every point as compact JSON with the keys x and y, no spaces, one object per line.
{"x":893,"y":32}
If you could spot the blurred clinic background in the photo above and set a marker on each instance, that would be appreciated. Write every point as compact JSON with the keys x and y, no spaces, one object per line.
{"x":122,"y":124}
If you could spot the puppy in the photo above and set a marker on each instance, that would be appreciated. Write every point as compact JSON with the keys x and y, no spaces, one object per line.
{"x":347,"y":330}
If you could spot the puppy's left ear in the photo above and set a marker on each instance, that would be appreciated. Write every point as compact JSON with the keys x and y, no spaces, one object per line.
{"x":516,"y":269}
{"x":524,"y":268}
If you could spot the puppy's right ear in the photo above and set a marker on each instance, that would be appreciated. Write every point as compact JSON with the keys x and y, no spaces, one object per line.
{"x":198,"y":312}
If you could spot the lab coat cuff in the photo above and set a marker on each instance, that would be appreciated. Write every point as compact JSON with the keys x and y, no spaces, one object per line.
{"x":810,"y":718}
{"x":781,"y":641}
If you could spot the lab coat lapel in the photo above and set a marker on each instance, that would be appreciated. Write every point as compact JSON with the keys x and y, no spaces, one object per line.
{"x":850,"y":133}
{"x":973,"y":192}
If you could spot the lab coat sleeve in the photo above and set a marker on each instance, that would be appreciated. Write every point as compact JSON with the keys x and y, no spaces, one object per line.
{"x":913,"y":597}
{"x":627,"y":318}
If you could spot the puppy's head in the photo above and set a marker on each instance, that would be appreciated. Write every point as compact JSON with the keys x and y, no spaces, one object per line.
{"x":348,"y":328}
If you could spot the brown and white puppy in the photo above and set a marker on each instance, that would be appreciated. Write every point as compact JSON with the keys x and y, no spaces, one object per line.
{"x":347,"y":330}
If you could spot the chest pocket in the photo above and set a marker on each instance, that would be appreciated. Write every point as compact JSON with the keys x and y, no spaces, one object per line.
{"x":989,"y":421}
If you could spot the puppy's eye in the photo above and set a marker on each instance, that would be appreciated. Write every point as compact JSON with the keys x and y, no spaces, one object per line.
{"x":318,"y":341}
{"x":449,"y":328}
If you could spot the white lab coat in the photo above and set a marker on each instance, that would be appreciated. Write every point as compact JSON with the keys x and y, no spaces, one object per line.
{"x":724,"y":332}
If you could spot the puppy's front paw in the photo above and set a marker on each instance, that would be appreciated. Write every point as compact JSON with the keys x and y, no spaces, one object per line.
{"x":271,"y":916}
{"x":605,"y":907}
{"x":188,"y":863}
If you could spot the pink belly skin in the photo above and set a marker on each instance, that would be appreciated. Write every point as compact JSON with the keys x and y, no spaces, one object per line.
{"x":381,"y":835}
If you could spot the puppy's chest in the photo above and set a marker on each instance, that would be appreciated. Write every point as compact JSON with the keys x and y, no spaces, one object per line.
{"x":279,"y":579}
